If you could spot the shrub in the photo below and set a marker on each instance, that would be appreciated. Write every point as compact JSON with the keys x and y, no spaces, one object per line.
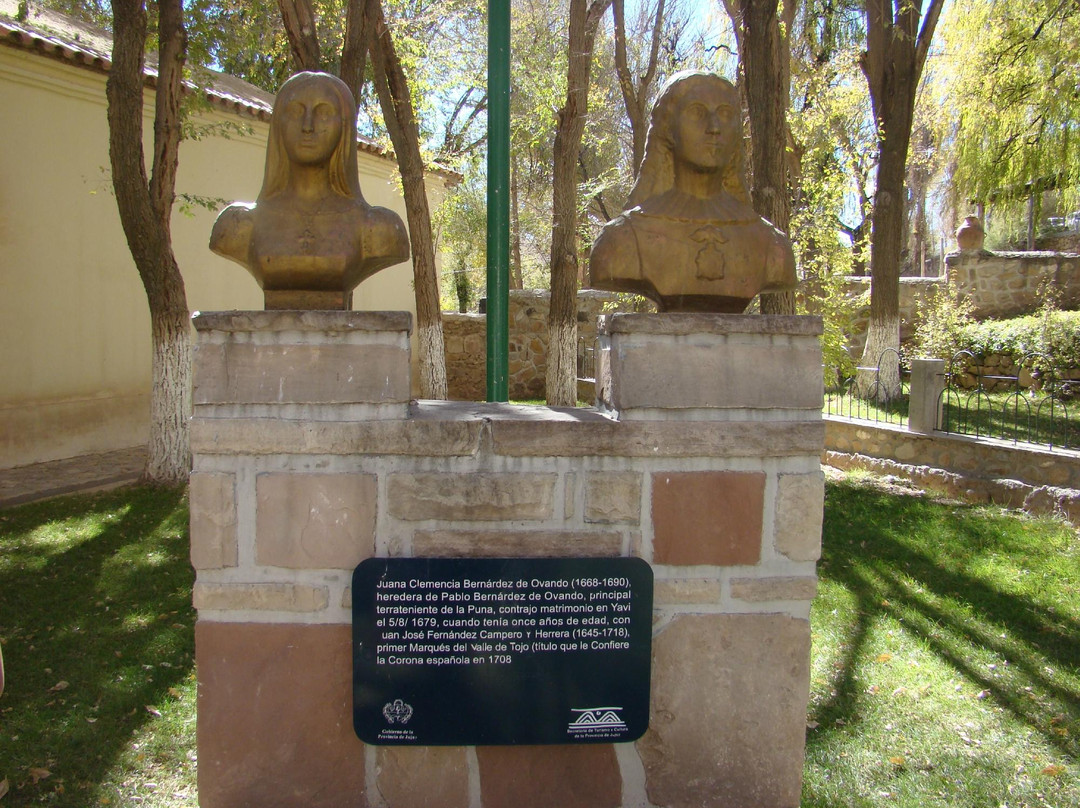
{"x":1053,"y":333}
{"x":941,"y":321}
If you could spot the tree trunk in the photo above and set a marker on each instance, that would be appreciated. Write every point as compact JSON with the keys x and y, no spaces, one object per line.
{"x":516,"y":279}
{"x":299,"y":20}
{"x":393,"y":90}
{"x":895,"y":53}
{"x":562,"y":316}
{"x":355,"y":47}
{"x":767,"y":67}
{"x":145,"y":207}
{"x":636,"y":94}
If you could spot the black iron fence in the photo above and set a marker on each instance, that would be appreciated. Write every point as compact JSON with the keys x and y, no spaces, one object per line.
{"x":877,"y":393}
{"x":1029,"y":400}
{"x":586,"y":359}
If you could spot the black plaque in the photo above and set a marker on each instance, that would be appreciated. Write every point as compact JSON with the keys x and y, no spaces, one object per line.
{"x":501,"y":651}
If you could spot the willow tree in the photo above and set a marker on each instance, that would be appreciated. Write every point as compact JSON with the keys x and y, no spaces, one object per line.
{"x":145,"y":206}
{"x":1013,"y":102}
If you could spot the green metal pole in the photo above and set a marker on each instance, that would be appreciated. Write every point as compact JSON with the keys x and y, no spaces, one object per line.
{"x":498,"y":200}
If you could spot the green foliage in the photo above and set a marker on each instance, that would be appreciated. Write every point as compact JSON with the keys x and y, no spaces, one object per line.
{"x":940,"y":322}
{"x":1013,"y":101}
{"x":826,"y":294}
{"x":1050,"y":332}
{"x":824,"y":261}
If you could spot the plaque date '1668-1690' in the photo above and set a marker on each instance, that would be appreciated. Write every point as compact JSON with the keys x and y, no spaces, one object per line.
{"x":486,"y":651}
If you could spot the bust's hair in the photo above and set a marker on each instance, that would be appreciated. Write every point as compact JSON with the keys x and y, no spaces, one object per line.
{"x":344,"y":174}
{"x":657,"y":174}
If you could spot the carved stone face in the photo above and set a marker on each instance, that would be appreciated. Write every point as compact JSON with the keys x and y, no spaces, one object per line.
{"x":705,"y":132}
{"x":312,"y":124}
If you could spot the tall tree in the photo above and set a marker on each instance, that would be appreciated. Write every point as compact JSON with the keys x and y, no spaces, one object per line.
{"x":898,"y":36}
{"x":396,"y":103}
{"x":145,"y":207}
{"x":766,"y":57}
{"x":562,"y":316}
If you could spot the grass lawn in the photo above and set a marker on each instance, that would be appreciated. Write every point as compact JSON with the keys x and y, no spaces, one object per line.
{"x":946,"y":661}
{"x":97,"y":631}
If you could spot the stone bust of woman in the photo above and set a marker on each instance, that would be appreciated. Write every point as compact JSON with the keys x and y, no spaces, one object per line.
{"x":310,"y":238}
{"x":688,"y":238}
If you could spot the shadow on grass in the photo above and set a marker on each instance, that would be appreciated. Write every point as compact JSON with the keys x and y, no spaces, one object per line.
{"x":97,"y":627}
{"x":944,"y":574}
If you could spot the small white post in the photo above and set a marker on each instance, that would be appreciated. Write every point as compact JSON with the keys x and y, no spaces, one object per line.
{"x":927,"y":384}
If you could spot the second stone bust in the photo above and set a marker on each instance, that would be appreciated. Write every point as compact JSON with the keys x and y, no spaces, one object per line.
{"x":311,"y":237}
{"x":688,"y":238}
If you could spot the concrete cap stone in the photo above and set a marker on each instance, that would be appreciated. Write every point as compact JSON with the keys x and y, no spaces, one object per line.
{"x":685,"y":324}
{"x":327,"y":321}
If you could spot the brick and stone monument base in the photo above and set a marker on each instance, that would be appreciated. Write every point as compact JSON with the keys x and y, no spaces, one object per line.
{"x":702,"y":459}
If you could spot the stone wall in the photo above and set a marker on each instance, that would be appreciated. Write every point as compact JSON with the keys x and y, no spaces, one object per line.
{"x":466,"y":343}
{"x":1007,"y":284}
{"x":718,"y":486}
{"x":983,"y":458}
{"x":999,"y":285}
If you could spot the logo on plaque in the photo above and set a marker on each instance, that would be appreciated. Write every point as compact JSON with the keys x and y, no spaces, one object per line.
{"x":397,"y":712}
{"x":602,"y":722}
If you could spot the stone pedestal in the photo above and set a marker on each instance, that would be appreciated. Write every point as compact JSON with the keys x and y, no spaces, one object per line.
{"x":309,"y":458}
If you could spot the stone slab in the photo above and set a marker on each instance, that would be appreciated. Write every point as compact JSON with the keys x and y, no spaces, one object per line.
{"x":275,"y":597}
{"x":685,"y":591}
{"x":248,"y":373}
{"x":708,"y":517}
{"x":650,"y":371}
{"x":331,"y":322}
{"x":613,"y":497}
{"x":423,"y":776}
{"x":784,"y":587}
{"x":314,"y":521}
{"x":452,"y":434}
{"x":516,"y":543}
{"x":797,"y":527}
{"x":690,"y":323}
{"x":264,"y":436}
{"x":659,"y":439}
{"x":548,"y":776}
{"x":481,"y":496}
{"x":213,"y":520}
{"x":275,"y":717}
{"x":728,"y":721}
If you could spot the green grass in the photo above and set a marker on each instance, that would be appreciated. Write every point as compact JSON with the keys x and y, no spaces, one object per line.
{"x":945,"y":671}
{"x":946,"y":661}
{"x":96,"y":627}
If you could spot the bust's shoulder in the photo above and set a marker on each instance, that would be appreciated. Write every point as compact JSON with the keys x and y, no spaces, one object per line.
{"x":384,"y":235}
{"x":615,"y":250}
{"x":232,"y":230}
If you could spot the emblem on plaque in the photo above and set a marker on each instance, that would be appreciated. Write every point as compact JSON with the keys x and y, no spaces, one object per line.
{"x":397,"y":712}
